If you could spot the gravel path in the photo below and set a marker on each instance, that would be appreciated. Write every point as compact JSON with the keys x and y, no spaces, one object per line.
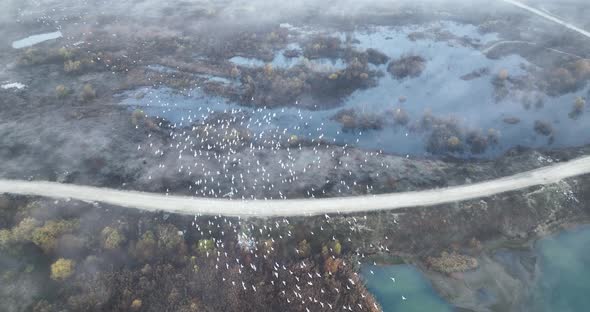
{"x":548,"y":17}
{"x":299,"y":207}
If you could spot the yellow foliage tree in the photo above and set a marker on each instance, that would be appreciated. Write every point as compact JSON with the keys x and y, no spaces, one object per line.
{"x":47,"y":235}
{"x":136,"y":305}
{"x":24,"y":230}
{"x":112,"y":238}
{"x":337,"y":247}
{"x":62,"y":269}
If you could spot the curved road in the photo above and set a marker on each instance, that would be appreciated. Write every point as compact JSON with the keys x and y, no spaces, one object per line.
{"x":298,"y":207}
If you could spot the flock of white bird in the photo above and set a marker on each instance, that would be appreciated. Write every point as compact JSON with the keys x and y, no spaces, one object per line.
{"x":282,"y":276}
{"x":212,"y":152}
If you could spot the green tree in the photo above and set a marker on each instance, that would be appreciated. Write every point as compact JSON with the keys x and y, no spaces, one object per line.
{"x":304,"y":248}
{"x":169,"y":238}
{"x":146,"y":247}
{"x":205,"y":245}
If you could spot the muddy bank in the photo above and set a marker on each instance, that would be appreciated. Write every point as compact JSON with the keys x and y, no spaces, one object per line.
{"x":306,"y":68}
{"x":508,"y":275}
{"x":498,"y":268}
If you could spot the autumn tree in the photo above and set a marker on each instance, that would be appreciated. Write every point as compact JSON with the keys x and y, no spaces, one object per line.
{"x":62,"y":269}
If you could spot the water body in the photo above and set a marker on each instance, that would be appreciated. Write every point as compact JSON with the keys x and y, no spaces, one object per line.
{"x":438,"y":89}
{"x":35,"y":39}
{"x":281,"y":61}
{"x":564,"y":283}
{"x":409,"y":284}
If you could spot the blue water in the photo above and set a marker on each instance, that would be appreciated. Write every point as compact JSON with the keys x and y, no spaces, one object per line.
{"x":409,"y":284}
{"x":564,"y":283}
{"x":438,"y":89}
{"x":281,"y":61}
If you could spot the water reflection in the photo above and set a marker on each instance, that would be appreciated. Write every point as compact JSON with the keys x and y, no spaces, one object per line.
{"x":457,"y":81}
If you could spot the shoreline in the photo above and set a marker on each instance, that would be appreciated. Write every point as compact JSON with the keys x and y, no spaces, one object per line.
{"x":439,"y":280}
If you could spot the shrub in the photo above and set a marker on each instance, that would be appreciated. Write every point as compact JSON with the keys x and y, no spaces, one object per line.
{"x":268,"y":246}
{"x":325,"y":251}
{"x":61,"y":91}
{"x":453,"y":143}
{"x":400,"y":116}
{"x":452,"y":262}
{"x":493,"y":136}
{"x":581,"y":68}
{"x":62,"y":269}
{"x":446,"y":134}
{"x":503,"y":74}
{"x":407,"y":66}
{"x":137,"y":116}
{"x":304,"y":248}
{"x":235,"y":72}
{"x":477,"y":142}
{"x":578,"y":108}
{"x":31,"y":57}
{"x":65,"y":53}
{"x":293,"y":139}
{"x":348,"y":121}
{"x":332,"y":265}
{"x":511,"y":120}
{"x":268,"y":69}
{"x":543,"y":128}
{"x":72,"y":66}
{"x":376,"y":57}
{"x":88,"y":92}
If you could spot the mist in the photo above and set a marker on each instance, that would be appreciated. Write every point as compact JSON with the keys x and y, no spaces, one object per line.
{"x":279,"y":100}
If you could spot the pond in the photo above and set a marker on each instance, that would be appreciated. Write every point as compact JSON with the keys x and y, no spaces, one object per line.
{"x":563,"y":283}
{"x":440,"y":90}
{"x":402,"y":288}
